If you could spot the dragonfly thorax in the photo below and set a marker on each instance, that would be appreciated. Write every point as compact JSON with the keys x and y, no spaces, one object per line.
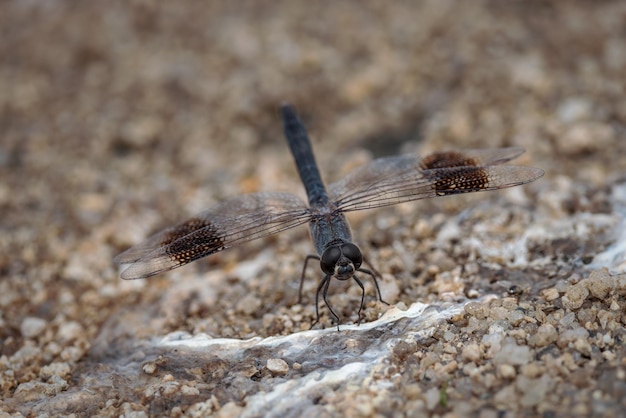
{"x":341,"y":260}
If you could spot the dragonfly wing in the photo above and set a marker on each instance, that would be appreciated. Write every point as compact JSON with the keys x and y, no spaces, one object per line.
{"x":470,"y":157}
{"x":392,"y":180}
{"x":234,"y":221}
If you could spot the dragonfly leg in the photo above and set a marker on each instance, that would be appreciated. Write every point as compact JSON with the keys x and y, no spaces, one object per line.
{"x":323,"y":284}
{"x":325,"y":295}
{"x":306,"y":261}
{"x":356,"y":279}
{"x":374,"y":273}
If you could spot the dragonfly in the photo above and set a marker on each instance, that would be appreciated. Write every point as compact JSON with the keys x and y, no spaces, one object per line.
{"x":383,"y":182}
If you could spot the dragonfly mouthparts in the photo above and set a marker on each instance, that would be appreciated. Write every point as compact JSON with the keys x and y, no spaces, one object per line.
{"x":344,"y":269}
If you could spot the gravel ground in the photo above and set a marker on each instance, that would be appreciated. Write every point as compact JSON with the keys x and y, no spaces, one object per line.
{"x":120,"y":118}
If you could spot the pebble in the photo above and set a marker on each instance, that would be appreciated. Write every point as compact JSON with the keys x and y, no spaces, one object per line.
{"x":600,"y":283}
{"x":70,"y":331}
{"x":513,"y":354}
{"x":532,"y":370}
{"x":506,"y":371}
{"x":573,"y":109}
{"x":59,"y":369}
{"x":572,"y":335}
{"x":170,"y":388}
{"x":550,"y":294}
{"x":35,"y":391}
{"x":187,"y":390}
{"x":506,"y":396}
{"x":534,"y":390}
{"x":28,"y":353}
{"x":248,"y":304}
{"x":32,"y":326}
{"x":277,"y":366}
{"x":546,"y":334}
{"x":149,"y":368}
{"x":432,"y":398}
{"x":575,"y":296}
{"x":472,"y":352}
{"x":476,"y":309}
{"x":585,"y":136}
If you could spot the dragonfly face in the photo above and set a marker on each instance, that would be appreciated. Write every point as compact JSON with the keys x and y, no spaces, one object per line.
{"x":341,"y":260}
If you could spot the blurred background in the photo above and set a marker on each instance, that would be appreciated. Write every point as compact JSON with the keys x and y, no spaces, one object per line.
{"x":121,"y":117}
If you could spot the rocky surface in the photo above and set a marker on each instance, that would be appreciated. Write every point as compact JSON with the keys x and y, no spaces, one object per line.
{"x":119,"y":118}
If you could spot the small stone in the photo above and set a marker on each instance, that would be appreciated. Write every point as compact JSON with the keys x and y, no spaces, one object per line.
{"x":583,"y":346}
{"x":450,"y":367}
{"x":546,"y":334}
{"x":534,"y":390}
{"x":422,"y":229}
{"x":550,"y":294}
{"x":515,"y":317}
{"x":472,"y":353}
{"x":600,"y":283}
{"x":570,"y":336}
{"x":32,"y":326}
{"x":476,"y":309}
{"x":35,"y":391}
{"x":403,"y":349}
{"x":506,"y":396}
{"x":149,"y":368}
{"x":187,"y":390}
{"x":248,"y":304}
{"x":506,"y":371}
{"x":513,"y":354}
{"x":584,"y":137}
{"x":59,"y":369}
{"x":604,"y":318}
{"x":532,"y":370}
{"x":170,"y":388}
{"x":72,"y":354}
{"x":277,"y":366}
{"x":573,"y":109}
{"x":27,"y":354}
{"x":620,"y":284}
{"x":432,"y":397}
{"x":70,"y":331}
{"x":575,"y":296}
{"x":498,"y":312}
{"x":487,"y":413}
{"x":608,"y":355}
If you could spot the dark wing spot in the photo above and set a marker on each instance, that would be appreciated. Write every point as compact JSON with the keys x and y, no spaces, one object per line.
{"x":192,"y":240}
{"x":447,"y":159}
{"x":458,"y":180}
{"x":186,"y":228}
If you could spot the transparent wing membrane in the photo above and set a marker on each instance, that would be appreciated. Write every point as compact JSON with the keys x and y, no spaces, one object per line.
{"x":237,"y":220}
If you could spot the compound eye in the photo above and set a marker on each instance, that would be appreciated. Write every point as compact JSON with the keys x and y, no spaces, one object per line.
{"x":352,"y":253}
{"x":329,"y":259}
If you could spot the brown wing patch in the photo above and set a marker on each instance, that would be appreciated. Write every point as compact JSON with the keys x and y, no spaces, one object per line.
{"x":457,"y":180}
{"x":446,"y":159}
{"x":186,"y":228}
{"x":193,"y":239}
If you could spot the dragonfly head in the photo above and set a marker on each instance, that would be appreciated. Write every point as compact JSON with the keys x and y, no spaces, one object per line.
{"x":341,"y":260}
